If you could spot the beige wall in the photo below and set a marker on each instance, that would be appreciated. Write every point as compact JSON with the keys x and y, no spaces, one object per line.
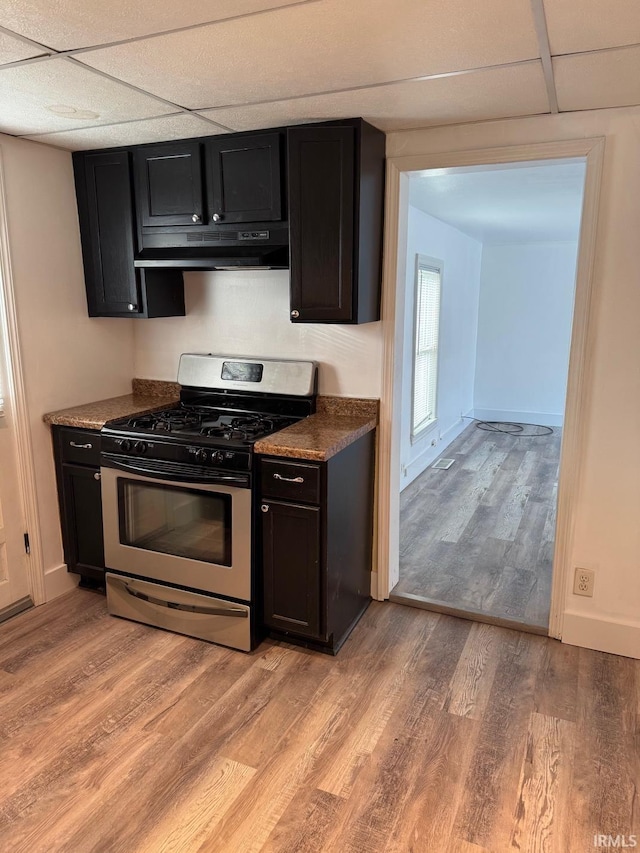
{"x":607,"y":523}
{"x":67,"y":357}
{"x":247,"y":313}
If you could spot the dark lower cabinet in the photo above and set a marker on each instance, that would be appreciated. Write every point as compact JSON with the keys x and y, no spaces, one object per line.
{"x":317,"y":541}
{"x":291,"y":566}
{"x":336,"y":191}
{"x":79,"y":493}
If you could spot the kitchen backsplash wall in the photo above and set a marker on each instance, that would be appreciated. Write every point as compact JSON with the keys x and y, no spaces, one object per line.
{"x":247,"y":313}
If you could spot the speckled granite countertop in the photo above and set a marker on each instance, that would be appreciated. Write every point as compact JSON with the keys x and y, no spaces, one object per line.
{"x":147,"y":396}
{"x":337,"y":423}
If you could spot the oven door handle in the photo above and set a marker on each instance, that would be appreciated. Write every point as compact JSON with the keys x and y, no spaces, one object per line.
{"x":188,"y":608}
{"x":181,"y":476}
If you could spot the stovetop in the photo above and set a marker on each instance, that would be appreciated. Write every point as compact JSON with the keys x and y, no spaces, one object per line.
{"x":203,"y":425}
{"x":226,"y":405}
{"x":215,"y":439}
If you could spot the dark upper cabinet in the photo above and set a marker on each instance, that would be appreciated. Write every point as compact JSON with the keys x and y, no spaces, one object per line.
{"x":336,"y":190}
{"x":107,"y":230}
{"x":150,"y":211}
{"x":169,"y":186}
{"x":244,"y":178}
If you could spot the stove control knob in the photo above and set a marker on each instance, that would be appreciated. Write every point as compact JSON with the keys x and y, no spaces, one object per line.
{"x":125,"y":445}
{"x":202,"y":455}
{"x":217,"y":456}
{"x":139,"y":447}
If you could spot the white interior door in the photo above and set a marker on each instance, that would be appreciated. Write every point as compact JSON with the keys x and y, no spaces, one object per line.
{"x":14,"y":580}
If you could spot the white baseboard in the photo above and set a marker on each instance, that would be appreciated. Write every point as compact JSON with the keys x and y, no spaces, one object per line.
{"x":443,"y":439}
{"x":544,"y":418}
{"x":57,"y":581}
{"x":615,"y":636}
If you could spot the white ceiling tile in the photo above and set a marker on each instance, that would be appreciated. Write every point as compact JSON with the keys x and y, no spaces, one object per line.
{"x":27,"y":91}
{"x":608,"y":78}
{"x":180,"y":126}
{"x":494,"y":93}
{"x":321,"y":46}
{"x":591,"y":24}
{"x":78,"y":23}
{"x":12,"y":50}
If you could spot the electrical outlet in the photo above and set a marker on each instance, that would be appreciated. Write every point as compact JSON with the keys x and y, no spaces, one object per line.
{"x":583,"y":582}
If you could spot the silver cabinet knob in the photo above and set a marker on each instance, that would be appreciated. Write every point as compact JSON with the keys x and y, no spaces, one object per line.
{"x":131,"y":307}
{"x":265,"y":507}
{"x":196,"y":218}
{"x":216,"y":217}
{"x":295,"y":314}
{"x":96,"y":476}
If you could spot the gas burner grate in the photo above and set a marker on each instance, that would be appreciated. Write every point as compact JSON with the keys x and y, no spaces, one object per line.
{"x":166,"y":421}
{"x":244,"y":428}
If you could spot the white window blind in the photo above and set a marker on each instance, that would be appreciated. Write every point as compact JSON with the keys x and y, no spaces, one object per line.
{"x":426,"y":331}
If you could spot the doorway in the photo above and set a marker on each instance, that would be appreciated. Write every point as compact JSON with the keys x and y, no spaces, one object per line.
{"x":568,"y":434}
{"x":491,"y":263}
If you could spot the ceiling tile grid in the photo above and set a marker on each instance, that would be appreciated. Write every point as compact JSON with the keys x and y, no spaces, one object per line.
{"x":488,"y":94}
{"x":327,"y":45}
{"x":146,"y":71}
{"x":606,"y":78}
{"x":164,"y":128}
{"x":71,"y":24}
{"x":575,"y":27}
{"x":13,"y":49}
{"x":29,"y":92}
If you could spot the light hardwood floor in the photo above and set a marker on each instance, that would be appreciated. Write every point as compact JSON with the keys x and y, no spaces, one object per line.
{"x":479,"y":537}
{"x":426,"y":733}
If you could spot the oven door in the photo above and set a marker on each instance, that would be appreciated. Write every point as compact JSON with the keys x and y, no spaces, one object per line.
{"x":190,"y":534}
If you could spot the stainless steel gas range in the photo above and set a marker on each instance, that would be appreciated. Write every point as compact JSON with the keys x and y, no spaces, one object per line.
{"x":178,"y":506}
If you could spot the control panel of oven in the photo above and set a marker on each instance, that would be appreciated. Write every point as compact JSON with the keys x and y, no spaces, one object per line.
{"x":234,"y":460}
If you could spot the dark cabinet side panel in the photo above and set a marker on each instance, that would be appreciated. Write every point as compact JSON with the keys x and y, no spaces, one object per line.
{"x":244,"y":179}
{"x":105,"y":207}
{"x":321,"y":215}
{"x":291,"y":568}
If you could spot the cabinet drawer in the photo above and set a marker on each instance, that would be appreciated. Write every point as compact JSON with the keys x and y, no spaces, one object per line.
{"x":292,"y":481}
{"x":80,"y":446}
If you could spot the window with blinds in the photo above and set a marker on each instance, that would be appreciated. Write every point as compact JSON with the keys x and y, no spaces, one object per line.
{"x":426,"y":332}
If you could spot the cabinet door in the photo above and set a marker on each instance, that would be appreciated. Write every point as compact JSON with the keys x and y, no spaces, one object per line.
{"x":169,"y":186}
{"x":321,"y":217}
{"x":105,"y":208}
{"x":291,"y":568}
{"x":82,"y":519}
{"x":243,"y":178}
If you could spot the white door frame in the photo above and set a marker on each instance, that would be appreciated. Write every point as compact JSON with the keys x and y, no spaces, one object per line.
{"x":16,"y":393}
{"x":581,"y":352}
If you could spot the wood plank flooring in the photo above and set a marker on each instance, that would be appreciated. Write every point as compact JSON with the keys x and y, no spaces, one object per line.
{"x":426,"y":733}
{"x":479,"y":537}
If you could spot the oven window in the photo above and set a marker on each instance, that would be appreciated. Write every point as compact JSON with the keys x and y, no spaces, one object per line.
{"x":175,"y":520}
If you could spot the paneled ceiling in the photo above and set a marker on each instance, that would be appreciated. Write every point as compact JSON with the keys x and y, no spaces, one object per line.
{"x":94,"y":73}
